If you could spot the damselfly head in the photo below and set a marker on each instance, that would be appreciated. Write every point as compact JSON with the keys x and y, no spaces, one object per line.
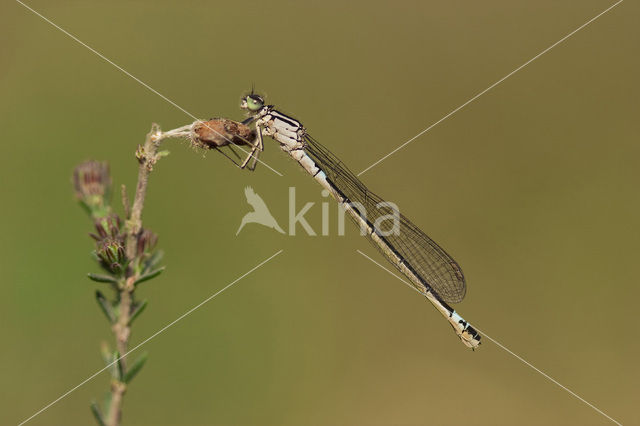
{"x":252,"y":102}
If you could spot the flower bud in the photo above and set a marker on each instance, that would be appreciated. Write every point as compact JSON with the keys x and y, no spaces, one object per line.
{"x":146,"y":242}
{"x":92,"y":184}
{"x":111,"y":255}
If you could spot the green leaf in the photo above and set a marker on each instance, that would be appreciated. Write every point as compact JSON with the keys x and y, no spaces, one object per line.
{"x":106,"y":307}
{"x":105,"y":352}
{"x":155,"y":258}
{"x":113,"y":364}
{"x":100,"y":212}
{"x":95,"y":409}
{"x":161,"y":154}
{"x":85,"y":207}
{"x":119,"y":366}
{"x":102,"y":278}
{"x":107,"y":401}
{"x":137,"y":310}
{"x":148,"y":276}
{"x":135,"y":367}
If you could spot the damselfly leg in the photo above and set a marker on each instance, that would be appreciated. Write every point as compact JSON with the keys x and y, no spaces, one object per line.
{"x":258,"y":147}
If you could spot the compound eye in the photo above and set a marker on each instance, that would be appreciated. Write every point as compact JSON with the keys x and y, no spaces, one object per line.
{"x":254,"y":102}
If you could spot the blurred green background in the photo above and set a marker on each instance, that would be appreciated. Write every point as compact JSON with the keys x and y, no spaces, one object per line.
{"x":532,"y":188}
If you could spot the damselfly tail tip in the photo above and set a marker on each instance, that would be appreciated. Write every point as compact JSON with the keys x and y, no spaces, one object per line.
{"x":469,"y":336}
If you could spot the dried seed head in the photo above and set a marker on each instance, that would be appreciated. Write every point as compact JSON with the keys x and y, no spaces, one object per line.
{"x":219,"y":132}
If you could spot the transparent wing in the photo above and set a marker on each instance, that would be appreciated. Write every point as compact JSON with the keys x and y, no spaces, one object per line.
{"x":434,"y":266}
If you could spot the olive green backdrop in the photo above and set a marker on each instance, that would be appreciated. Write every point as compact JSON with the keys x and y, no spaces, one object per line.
{"x":533,"y":188}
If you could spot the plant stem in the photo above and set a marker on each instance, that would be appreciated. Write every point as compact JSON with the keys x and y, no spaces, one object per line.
{"x":115,"y":410}
{"x":147,"y":157}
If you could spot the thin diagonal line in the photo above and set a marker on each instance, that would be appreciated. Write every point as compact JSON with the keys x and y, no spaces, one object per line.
{"x":551,"y":379}
{"x":150,"y":337}
{"x":127,"y":73}
{"x":491,"y":87}
{"x":501,"y":346}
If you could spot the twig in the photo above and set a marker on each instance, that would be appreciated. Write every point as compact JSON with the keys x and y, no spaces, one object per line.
{"x":125,"y":201}
{"x":147,"y":156}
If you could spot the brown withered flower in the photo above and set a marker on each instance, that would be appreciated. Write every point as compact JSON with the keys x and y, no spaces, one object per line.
{"x":219,"y":132}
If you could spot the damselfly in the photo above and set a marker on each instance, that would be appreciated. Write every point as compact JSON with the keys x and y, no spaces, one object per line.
{"x":427,"y":266}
